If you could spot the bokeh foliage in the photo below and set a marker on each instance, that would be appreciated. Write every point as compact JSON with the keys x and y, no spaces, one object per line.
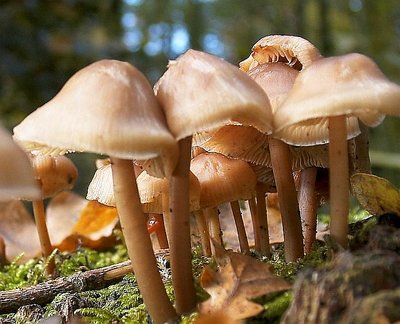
{"x":42,"y":43}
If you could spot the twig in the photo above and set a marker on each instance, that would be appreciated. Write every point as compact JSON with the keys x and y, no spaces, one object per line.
{"x":45,"y":292}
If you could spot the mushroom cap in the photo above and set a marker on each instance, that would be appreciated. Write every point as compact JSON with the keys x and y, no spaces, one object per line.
{"x":16,"y":174}
{"x":296,"y":51}
{"x":201,"y":92}
{"x":54,"y":173}
{"x":101,"y":187}
{"x":150,"y":190}
{"x":222,"y":179}
{"x":350,"y":85}
{"x":108,"y":107}
{"x":240,"y":142}
{"x":276,"y":79}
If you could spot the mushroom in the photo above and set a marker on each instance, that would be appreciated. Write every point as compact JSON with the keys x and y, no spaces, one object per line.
{"x":16,"y":173}
{"x":276,"y":79}
{"x":53,"y":174}
{"x":153,"y":193}
{"x":274,"y":63}
{"x":223,"y":180}
{"x":201,"y":92}
{"x":109,"y":108}
{"x":331,"y":94}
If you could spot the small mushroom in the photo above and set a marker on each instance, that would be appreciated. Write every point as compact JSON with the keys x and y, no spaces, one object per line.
{"x":332,"y":93}
{"x":53,"y":174}
{"x":201,"y":92}
{"x":223,"y":180}
{"x":109,"y":108}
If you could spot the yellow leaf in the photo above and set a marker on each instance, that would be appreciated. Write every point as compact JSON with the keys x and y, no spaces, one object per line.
{"x":376,"y":195}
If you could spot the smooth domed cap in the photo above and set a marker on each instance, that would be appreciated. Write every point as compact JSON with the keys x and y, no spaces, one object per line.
{"x":201,"y":92}
{"x":151,"y":190}
{"x":350,"y":85}
{"x":276,"y":79}
{"x":295,"y":51}
{"x":108,"y":108}
{"x":222,"y":179}
{"x":54,"y":173}
{"x":16,"y":173}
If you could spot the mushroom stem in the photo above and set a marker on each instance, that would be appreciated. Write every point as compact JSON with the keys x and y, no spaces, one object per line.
{"x":161,"y":233}
{"x":237,"y":216}
{"x":256,"y":224}
{"x":3,"y":256}
{"x":282,"y":167}
{"x":180,"y":241}
{"x":263,"y":220}
{"x":308,"y":206}
{"x":134,"y":227}
{"x":338,"y":179}
{"x":43,"y":233}
{"x":166,"y":212}
{"x":204,"y":233}
{"x":214,"y":225}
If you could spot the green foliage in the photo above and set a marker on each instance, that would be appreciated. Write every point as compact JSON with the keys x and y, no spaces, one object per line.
{"x":17,"y":275}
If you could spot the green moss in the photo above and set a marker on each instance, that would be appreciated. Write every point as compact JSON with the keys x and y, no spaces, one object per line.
{"x":288,"y":270}
{"x":17,"y":275}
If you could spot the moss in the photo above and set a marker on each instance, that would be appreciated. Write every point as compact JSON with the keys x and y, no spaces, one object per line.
{"x":288,"y":270}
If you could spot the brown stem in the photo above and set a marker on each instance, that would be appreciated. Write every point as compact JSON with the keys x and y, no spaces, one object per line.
{"x":204,"y":233}
{"x":263,"y":220}
{"x":3,"y":257}
{"x":338,"y":179}
{"x":212,"y":216}
{"x":282,"y":167}
{"x":180,"y":242}
{"x":161,"y":233}
{"x":166,"y":215}
{"x":308,"y":206}
{"x":43,"y":233}
{"x":241,"y":231}
{"x":256,"y":224}
{"x":134,"y":228}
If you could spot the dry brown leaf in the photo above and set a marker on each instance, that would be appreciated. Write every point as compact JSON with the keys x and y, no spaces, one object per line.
{"x":376,"y":195}
{"x":62,"y":213}
{"x":76,"y":222}
{"x":220,"y":317}
{"x":238,"y":279}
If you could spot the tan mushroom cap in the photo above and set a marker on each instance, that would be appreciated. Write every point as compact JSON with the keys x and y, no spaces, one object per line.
{"x":276,"y":79}
{"x":16,"y":173}
{"x":101,"y":186}
{"x":108,"y":108}
{"x":54,"y":173}
{"x":296,"y":51}
{"x":350,"y":85}
{"x":201,"y":92}
{"x":150,"y":190}
{"x":222,"y":179}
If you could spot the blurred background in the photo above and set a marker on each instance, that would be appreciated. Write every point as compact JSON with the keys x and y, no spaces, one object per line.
{"x":42,"y":43}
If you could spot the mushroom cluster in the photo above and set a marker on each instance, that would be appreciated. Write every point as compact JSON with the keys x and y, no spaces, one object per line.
{"x":210,"y":133}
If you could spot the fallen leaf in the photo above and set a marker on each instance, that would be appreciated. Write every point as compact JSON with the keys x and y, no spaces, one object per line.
{"x":238,"y":279}
{"x":376,"y":195}
{"x":62,"y":213}
{"x":220,"y":317}
{"x":74,"y":221}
